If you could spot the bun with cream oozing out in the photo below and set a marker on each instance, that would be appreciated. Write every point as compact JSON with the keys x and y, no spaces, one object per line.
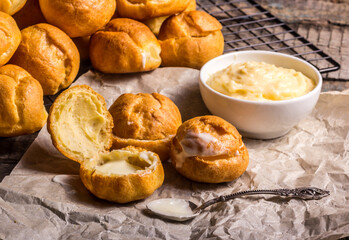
{"x":123,"y":46}
{"x":81,"y":129}
{"x":209,"y":149}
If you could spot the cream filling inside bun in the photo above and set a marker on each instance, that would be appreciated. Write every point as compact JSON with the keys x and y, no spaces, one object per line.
{"x":80,"y":122}
{"x":123,"y":162}
{"x":199,"y":144}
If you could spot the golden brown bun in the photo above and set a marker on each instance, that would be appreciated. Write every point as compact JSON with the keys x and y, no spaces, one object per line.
{"x":49,"y":55}
{"x":80,"y":124}
{"x":29,"y":15}
{"x":155,"y":23}
{"x":124,"y":46}
{"x":190,"y":39}
{"x":22,"y":108}
{"x":144,"y":120}
{"x":123,"y":188}
{"x":78,"y":18}
{"x":145,"y":9}
{"x":11,"y":6}
{"x":10,"y":37}
{"x":209,"y":149}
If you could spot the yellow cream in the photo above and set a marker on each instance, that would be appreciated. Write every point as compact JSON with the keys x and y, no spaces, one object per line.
{"x":122,"y":162}
{"x":80,"y":124}
{"x":118,"y":167}
{"x":259,"y":81}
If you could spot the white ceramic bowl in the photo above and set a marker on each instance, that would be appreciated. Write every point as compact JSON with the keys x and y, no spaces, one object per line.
{"x":260,"y":120}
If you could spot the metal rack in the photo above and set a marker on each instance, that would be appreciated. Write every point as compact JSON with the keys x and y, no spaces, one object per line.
{"x":248,"y":26}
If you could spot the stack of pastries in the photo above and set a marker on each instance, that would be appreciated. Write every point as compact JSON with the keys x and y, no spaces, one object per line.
{"x":120,"y":150}
{"x":49,"y":38}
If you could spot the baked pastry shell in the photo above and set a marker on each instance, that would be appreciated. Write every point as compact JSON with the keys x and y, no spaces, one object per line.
{"x":221,"y":157}
{"x":124,"y":46}
{"x":49,"y":55}
{"x":122,"y":188}
{"x":142,"y":10}
{"x":22,"y":109}
{"x":213,"y":171}
{"x":190,"y":39}
{"x":10,"y":37}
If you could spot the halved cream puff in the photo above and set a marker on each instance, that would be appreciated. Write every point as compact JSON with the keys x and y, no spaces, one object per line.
{"x":81,"y":129}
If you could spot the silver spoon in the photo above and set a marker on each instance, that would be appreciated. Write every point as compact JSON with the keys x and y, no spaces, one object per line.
{"x":182,"y":210}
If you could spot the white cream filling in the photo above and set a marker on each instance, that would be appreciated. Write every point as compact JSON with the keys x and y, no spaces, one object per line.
{"x":198,"y":144}
{"x":80,"y":122}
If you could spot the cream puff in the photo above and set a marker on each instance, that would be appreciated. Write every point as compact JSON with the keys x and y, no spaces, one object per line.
{"x":10,"y":36}
{"x":81,"y":129}
{"x":190,"y":39}
{"x":209,"y":149}
{"x":22,"y":109}
{"x":78,"y":18}
{"x":49,"y":55}
{"x":145,"y":9}
{"x":144,"y":120}
{"x":155,"y":23}
{"x":123,"y":46}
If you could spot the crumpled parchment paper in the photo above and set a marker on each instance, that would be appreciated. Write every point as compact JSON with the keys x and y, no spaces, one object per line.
{"x":43,"y":198}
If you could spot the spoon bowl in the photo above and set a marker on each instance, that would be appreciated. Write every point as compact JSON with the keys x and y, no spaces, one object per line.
{"x":174,"y":209}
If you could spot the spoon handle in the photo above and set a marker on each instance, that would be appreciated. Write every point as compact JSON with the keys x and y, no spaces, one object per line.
{"x":305,"y":193}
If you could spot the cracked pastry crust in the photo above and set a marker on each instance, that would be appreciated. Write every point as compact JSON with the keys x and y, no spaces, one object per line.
{"x":146,"y":9}
{"x":10,"y":37}
{"x":190,"y":39}
{"x":78,"y":18}
{"x":22,"y":108}
{"x":49,"y":55}
{"x":123,"y":46}
{"x":155,"y":23}
{"x":144,"y":120}
{"x":209,"y":149}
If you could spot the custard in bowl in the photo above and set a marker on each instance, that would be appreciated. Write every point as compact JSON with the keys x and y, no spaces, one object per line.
{"x":263,"y":94}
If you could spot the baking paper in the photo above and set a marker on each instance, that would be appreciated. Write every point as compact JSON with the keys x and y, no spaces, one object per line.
{"x":43,"y":198}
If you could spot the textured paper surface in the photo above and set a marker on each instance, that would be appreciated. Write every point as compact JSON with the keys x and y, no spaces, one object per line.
{"x":43,"y":198}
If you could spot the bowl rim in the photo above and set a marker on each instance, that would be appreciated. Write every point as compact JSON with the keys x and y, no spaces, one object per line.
{"x":315,"y":90}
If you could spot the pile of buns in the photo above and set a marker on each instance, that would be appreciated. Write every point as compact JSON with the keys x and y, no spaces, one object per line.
{"x":48,"y":38}
{"x":121,"y":151}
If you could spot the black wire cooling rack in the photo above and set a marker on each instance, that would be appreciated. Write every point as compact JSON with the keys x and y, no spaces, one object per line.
{"x":249,"y":26}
